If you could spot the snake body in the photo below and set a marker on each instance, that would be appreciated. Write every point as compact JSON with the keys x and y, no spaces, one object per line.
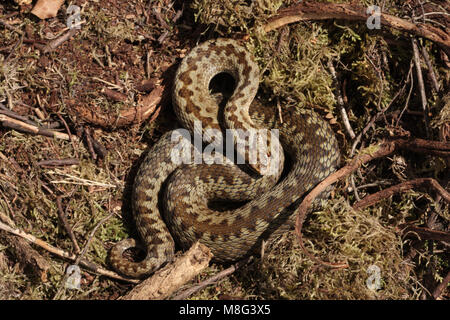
{"x":173,"y":202}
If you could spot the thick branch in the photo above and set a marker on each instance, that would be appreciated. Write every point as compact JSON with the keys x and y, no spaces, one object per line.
{"x":225,"y":273}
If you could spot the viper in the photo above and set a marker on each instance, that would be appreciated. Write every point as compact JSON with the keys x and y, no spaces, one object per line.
{"x":231,"y":208}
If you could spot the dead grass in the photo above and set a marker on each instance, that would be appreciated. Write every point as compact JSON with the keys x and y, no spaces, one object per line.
{"x":121,"y":46}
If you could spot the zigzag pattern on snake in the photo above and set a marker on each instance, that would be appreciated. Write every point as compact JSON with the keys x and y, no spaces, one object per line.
{"x":172,"y":202}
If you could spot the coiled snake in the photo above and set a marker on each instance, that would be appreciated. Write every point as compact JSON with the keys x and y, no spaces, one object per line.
{"x":172,"y":200}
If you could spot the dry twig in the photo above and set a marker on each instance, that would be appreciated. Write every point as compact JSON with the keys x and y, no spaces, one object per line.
{"x":26,"y":255}
{"x":438,"y":291}
{"x":423,"y":95}
{"x":58,"y":162}
{"x":340,"y":102}
{"x":63,"y":218}
{"x":187,"y":293}
{"x":10,"y":27}
{"x":433,"y":78}
{"x":52,"y":45}
{"x":18,"y":125}
{"x":425,"y":233}
{"x":407,"y":185}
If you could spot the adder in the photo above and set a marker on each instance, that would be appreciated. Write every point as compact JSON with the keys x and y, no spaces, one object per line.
{"x":175,"y":202}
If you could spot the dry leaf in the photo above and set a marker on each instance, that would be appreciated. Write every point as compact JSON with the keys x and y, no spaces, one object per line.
{"x":47,"y":8}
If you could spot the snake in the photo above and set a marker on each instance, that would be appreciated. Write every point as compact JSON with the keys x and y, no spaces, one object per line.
{"x":231,"y":207}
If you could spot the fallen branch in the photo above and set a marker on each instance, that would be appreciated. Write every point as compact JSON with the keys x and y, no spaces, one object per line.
{"x":58,"y":162}
{"x":10,"y":27}
{"x":90,"y":144}
{"x":12,"y":114}
{"x":25,"y":254}
{"x":431,"y":72}
{"x":408,"y":185}
{"x":27,"y":257}
{"x":96,"y":149}
{"x":340,"y":102}
{"x":374,"y":118}
{"x":81,"y":255}
{"x":322,"y":11}
{"x":435,"y":148}
{"x":71,"y":138}
{"x":170,"y":278}
{"x":378,"y":151}
{"x":423,"y":95}
{"x":63,"y":218}
{"x":21,"y":126}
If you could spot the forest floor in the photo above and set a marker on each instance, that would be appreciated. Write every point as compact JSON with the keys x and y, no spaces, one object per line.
{"x":79,"y":108}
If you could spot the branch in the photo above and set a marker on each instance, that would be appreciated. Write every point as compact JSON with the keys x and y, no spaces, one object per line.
{"x":423,"y":95}
{"x":438,"y":291}
{"x":27,"y":256}
{"x":63,"y":218}
{"x":408,"y":185}
{"x":340,"y":102}
{"x":322,"y":11}
{"x":52,"y":45}
{"x":187,"y":293}
{"x":58,"y":162}
{"x":21,"y":126}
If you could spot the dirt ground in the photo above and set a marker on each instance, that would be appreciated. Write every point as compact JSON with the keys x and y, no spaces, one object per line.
{"x":86,"y":108}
